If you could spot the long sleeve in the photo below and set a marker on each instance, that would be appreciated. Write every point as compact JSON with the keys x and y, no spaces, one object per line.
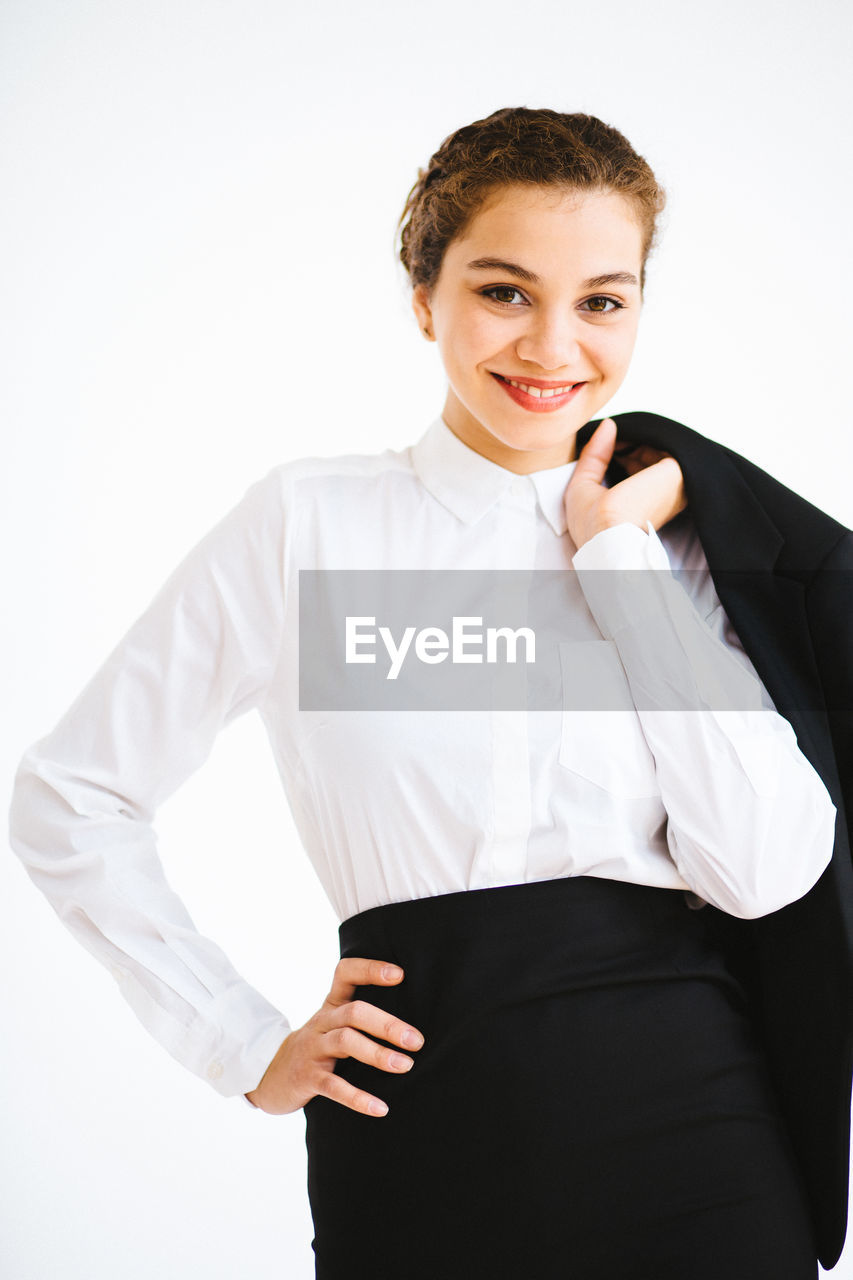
{"x":86,"y":795}
{"x":750,"y":823}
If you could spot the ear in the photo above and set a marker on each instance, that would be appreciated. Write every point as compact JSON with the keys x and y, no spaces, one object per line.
{"x":422,"y":310}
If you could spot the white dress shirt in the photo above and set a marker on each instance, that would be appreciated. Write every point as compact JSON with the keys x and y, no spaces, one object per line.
{"x":396,"y":805}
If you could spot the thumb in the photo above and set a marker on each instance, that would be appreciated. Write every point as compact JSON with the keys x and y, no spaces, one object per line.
{"x":596,"y":454}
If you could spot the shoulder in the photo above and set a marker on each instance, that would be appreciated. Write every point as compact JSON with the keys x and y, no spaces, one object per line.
{"x":293,"y":486}
{"x":287,"y":480}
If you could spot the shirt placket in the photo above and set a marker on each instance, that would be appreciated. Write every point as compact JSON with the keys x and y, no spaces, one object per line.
{"x":503,"y":859}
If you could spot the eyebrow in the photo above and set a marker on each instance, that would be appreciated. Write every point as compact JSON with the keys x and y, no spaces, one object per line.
{"x":521,"y":273}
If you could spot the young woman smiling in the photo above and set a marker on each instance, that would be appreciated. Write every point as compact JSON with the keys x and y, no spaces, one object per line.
{"x":535,"y":1058}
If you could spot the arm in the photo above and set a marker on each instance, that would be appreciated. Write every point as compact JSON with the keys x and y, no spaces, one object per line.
{"x":750,"y":823}
{"x":85,"y":796}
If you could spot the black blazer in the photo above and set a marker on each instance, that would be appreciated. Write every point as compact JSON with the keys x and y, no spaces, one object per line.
{"x":783,"y":570}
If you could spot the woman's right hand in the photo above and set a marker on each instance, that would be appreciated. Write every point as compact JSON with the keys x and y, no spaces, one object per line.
{"x":653,"y":490}
{"x":304,"y":1065}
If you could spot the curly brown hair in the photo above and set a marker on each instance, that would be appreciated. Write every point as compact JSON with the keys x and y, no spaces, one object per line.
{"x":519,"y":145}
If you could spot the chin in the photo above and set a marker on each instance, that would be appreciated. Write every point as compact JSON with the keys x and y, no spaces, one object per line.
{"x":534,"y":436}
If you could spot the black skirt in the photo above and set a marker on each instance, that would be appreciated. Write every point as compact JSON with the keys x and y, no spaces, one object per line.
{"x":591,"y":1102}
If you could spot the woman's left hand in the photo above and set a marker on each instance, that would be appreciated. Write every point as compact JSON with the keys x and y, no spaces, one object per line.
{"x":654,"y":489}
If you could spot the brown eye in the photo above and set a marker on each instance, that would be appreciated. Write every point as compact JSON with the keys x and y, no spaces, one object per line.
{"x":505,"y":293}
{"x":603,"y":306}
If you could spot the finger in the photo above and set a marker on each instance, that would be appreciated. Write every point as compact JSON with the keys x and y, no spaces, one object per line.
{"x":346,"y":1042}
{"x":340,"y":1090}
{"x":367,"y":1017}
{"x":657,"y":490}
{"x":355,"y":971}
{"x":664,"y":473}
{"x":595,"y":456}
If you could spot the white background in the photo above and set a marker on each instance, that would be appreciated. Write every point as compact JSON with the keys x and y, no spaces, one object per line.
{"x":198,"y":282}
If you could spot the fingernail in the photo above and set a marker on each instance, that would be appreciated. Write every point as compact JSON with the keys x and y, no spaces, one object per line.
{"x":391,"y":971}
{"x":399,"y":1063}
{"x":378,"y":1108}
{"x":412,"y":1039}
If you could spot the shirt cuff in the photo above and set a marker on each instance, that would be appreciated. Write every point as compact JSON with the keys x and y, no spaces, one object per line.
{"x":630,"y":596}
{"x":670,"y":656}
{"x":239,"y":1073}
{"x":623,"y":546}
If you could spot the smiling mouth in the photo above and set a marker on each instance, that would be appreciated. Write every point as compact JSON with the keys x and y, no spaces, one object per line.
{"x":539,"y":389}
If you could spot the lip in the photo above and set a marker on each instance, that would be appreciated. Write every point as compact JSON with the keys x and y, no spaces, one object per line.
{"x":535,"y":404}
{"x":534,"y":382}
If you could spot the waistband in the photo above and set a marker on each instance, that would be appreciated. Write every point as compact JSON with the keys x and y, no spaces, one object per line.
{"x":541,"y":903}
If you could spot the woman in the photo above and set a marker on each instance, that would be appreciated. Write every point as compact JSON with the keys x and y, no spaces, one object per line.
{"x":535,"y":1057}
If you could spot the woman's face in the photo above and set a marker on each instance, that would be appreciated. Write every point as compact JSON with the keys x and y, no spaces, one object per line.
{"x":542,"y":288}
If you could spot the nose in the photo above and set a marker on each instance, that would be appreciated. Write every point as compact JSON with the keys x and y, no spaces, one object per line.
{"x":550,"y":340}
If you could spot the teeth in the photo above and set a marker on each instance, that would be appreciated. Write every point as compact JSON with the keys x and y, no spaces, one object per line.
{"x":542,"y":392}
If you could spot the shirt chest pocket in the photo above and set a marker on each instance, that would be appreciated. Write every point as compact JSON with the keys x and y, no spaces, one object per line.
{"x":601,"y":737}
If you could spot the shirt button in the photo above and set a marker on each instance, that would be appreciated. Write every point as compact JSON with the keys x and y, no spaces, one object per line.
{"x":215,"y":1070}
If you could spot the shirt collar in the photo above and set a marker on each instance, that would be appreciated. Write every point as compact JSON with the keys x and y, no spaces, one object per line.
{"x":469,"y":484}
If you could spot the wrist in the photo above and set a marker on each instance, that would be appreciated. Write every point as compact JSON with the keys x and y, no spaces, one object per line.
{"x":605,"y":526}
